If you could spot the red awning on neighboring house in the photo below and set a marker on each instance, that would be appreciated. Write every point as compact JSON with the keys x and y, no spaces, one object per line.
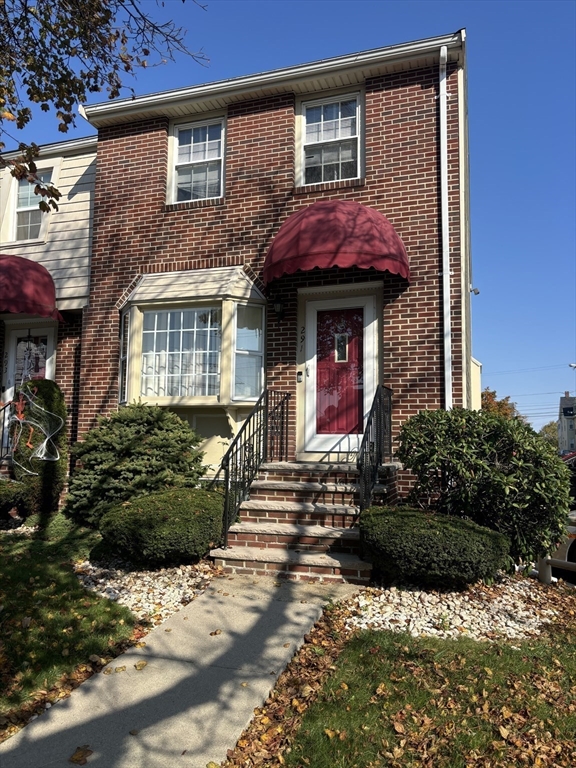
{"x":26,"y":288}
{"x":336,"y":233}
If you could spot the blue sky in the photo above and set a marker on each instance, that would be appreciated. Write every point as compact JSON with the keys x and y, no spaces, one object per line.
{"x":522,"y":99}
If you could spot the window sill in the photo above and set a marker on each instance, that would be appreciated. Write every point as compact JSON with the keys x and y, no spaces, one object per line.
{"x":187,"y":205}
{"x":12,"y":244}
{"x":341,"y":184}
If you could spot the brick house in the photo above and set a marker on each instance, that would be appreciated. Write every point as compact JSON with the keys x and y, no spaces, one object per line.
{"x":302,"y":231}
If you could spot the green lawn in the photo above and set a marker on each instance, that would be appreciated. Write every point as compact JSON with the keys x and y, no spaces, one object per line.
{"x":50,"y":625}
{"x":376,"y":699}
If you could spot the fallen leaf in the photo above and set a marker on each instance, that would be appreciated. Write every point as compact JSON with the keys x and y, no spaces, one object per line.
{"x":329,"y":733}
{"x":216,"y":632}
{"x":120,"y":669}
{"x":107,"y":671}
{"x":80,"y":755}
{"x":398,"y":727}
{"x":138,"y":645}
{"x":134,"y":732}
{"x":167,"y":630}
{"x":504,"y":732}
{"x":140,"y":665}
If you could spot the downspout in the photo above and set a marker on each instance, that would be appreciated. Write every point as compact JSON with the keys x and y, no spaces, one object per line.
{"x":446,"y":274}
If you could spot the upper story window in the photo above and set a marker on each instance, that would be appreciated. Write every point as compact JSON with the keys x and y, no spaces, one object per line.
{"x":199,"y":161}
{"x":331,"y":140}
{"x":28,"y":215}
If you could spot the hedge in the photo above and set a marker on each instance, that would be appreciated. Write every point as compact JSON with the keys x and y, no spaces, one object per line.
{"x":410,"y":546}
{"x":179,"y":525}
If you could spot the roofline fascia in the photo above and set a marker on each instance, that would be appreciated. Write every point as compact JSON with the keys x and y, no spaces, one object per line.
{"x":109,"y":109}
{"x":59,"y":148}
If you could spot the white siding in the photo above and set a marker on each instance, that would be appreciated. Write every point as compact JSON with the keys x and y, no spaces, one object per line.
{"x":66,"y":237}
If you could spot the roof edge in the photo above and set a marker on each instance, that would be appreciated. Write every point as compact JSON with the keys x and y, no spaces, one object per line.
{"x":155,"y":101}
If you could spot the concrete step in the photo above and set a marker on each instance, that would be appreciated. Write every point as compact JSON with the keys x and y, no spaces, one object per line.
{"x":303,"y":538}
{"x":298,"y":512}
{"x":335,"y":566}
{"x":303,"y":487}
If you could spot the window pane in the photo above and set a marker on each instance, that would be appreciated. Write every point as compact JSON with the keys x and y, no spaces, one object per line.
{"x":28,"y":225}
{"x":249,"y":328}
{"x":248,"y":378}
{"x":348,"y":108}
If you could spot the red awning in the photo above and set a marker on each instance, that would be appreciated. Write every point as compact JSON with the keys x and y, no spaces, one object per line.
{"x":336,"y":233}
{"x":26,"y":288}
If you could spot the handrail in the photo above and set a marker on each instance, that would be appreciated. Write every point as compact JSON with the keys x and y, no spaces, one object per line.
{"x":263,"y":437}
{"x":5,"y":441}
{"x":376,"y":444}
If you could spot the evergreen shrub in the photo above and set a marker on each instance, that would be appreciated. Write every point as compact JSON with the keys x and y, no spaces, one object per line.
{"x":410,"y":546}
{"x":179,"y":525}
{"x":40,"y":461}
{"x":493,"y":470}
{"x":137,"y":450}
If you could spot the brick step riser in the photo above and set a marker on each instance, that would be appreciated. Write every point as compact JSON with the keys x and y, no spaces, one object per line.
{"x":307,"y":544}
{"x":299,"y":518}
{"x":344,"y":479}
{"x":310,"y":497}
{"x":295,"y":572}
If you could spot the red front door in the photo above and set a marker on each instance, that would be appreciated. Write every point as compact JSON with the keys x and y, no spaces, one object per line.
{"x":340,"y":374}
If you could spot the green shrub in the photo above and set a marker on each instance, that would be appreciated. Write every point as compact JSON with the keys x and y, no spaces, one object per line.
{"x":175,"y":526}
{"x":41,"y":449}
{"x":12,"y":495}
{"x":410,"y":546}
{"x":137,"y":450}
{"x":495,"y":471}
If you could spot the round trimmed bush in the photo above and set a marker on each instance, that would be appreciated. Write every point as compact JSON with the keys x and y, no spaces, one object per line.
{"x":179,"y":525}
{"x":139,"y":449}
{"x":409,"y":546}
{"x":495,"y":471}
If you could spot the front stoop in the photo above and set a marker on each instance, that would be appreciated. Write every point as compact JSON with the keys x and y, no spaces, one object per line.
{"x":299,"y":523}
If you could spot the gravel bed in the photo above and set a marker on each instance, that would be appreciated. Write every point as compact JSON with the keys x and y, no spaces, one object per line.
{"x":513,"y":609}
{"x":152,"y":595}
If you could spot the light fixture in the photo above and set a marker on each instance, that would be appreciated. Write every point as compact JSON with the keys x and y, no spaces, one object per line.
{"x":278,"y":307}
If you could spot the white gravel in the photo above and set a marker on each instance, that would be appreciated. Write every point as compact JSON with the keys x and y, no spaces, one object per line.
{"x":513,"y":609}
{"x":152,"y":595}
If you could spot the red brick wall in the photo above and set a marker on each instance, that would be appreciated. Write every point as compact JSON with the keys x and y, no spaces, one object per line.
{"x":136,"y":232}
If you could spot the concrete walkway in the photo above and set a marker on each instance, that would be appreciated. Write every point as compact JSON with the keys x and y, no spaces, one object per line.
{"x":207,"y":667}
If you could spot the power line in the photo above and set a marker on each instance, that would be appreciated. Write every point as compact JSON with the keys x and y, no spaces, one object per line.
{"x":522,"y":370}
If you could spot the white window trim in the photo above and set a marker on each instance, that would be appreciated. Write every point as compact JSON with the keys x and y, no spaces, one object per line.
{"x":227,"y":353}
{"x":301,"y":106}
{"x":9,"y":193}
{"x":235,"y":351}
{"x":171,"y":188}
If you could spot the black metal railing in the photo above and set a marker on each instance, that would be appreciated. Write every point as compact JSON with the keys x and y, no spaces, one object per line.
{"x":263,"y":437}
{"x":5,"y":437}
{"x":376,"y":446}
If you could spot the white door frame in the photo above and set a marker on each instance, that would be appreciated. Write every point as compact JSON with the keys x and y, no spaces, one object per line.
{"x":338,"y":443}
{"x":9,"y":366}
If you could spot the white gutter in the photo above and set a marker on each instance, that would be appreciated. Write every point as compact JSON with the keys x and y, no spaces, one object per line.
{"x":446,"y":301}
{"x":365,"y":59}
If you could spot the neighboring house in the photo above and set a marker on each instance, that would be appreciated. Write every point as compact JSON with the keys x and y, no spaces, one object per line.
{"x":566,"y":422}
{"x":45,"y":270}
